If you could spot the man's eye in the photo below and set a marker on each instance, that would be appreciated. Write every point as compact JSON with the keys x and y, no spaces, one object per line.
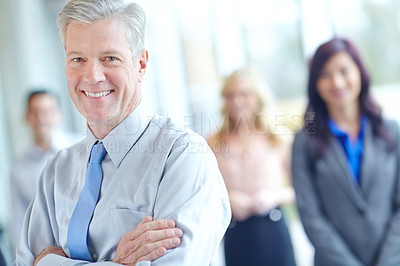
{"x":78,"y":59}
{"x":111,"y":58}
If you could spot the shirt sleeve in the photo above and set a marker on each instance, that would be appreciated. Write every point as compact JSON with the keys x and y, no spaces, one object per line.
{"x":38,"y":226}
{"x":53,"y":259}
{"x":193,"y":194}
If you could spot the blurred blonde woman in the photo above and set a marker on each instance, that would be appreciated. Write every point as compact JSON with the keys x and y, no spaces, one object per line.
{"x":253,"y":163}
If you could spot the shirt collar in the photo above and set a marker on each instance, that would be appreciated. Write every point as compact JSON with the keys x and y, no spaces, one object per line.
{"x":337,"y":131}
{"x":121,"y":139}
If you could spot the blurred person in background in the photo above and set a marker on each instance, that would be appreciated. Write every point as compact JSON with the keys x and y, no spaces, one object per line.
{"x":345,"y":164}
{"x":43,"y":116}
{"x":254,"y":164}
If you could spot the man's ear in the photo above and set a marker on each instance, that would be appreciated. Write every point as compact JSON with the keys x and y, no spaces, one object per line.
{"x":143,"y":59}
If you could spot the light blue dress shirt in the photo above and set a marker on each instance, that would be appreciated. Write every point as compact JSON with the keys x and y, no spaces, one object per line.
{"x":152,"y":167}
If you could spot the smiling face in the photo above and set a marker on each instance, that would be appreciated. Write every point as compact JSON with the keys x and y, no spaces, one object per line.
{"x":103,"y":78}
{"x":339,"y":83}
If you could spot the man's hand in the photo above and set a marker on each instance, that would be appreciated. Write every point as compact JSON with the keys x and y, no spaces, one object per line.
{"x":149,"y":241}
{"x":47,"y":251}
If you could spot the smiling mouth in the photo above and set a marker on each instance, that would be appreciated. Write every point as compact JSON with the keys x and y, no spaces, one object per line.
{"x":97,"y":94}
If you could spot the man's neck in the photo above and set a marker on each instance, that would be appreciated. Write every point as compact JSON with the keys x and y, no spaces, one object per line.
{"x":100,"y":132}
{"x":101,"y":129}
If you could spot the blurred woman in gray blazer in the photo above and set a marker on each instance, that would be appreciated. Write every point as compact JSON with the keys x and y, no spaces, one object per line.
{"x":345,"y":165}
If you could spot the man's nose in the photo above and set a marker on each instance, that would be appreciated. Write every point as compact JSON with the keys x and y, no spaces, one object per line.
{"x":94,"y":72}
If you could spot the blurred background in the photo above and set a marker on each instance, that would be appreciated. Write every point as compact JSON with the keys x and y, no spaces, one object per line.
{"x":192,"y":46}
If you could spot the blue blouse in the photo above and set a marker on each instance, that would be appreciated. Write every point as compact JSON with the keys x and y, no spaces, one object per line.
{"x":352,"y":148}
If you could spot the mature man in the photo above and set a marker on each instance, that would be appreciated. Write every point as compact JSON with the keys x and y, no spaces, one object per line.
{"x":139,"y":169}
{"x":43,"y":116}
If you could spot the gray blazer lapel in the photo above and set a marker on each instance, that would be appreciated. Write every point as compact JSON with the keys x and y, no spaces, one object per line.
{"x":370,"y":156}
{"x":342,"y":174}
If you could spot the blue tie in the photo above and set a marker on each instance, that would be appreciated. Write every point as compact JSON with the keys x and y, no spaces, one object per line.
{"x":80,"y":220}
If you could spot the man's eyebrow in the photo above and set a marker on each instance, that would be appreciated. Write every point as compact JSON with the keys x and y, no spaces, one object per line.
{"x":73,"y":53}
{"x":111,"y":51}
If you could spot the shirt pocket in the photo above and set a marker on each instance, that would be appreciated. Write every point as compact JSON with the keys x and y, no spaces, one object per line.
{"x":115,"y":223}
{"x":125,"y":218}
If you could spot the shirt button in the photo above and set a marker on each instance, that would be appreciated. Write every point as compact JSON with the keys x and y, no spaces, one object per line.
{"x":95,"y":256}
{"x":275,"y":215}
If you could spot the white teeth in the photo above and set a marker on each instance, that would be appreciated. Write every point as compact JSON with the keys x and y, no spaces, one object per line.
{"x":97,"y":94}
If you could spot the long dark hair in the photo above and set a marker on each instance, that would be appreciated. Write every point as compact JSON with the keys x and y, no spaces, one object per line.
{"x":316,"y":116}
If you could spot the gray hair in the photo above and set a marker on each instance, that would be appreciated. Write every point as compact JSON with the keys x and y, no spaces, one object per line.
{"x":90,"y":11}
